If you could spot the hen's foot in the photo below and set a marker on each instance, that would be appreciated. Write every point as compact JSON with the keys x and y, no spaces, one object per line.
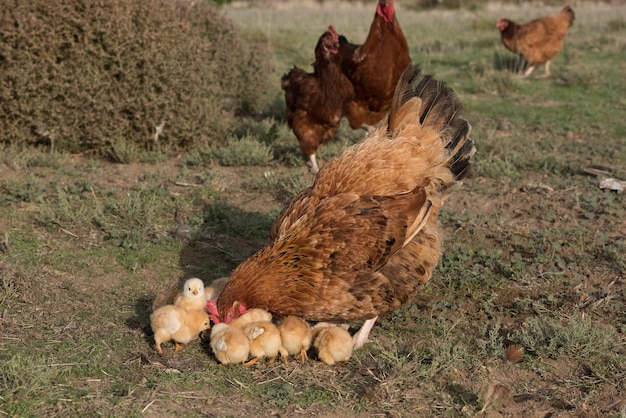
{"x":361,"y":336}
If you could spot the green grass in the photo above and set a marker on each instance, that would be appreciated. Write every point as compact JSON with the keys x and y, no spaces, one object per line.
{"x":534,"y":251}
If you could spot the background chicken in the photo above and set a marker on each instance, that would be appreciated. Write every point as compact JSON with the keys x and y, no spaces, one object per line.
{"x":362,"y":239}
{"x":316,"y":102}
{"x":171,"y":322}
{"x":374,"y":67}
{"x":539,"y":40}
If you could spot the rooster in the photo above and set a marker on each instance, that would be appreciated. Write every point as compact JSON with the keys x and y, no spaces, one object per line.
{"x":374,"y":67}
{"x":363,"y":239}
{"x":539,"y":40}
{"x":316,"y":102}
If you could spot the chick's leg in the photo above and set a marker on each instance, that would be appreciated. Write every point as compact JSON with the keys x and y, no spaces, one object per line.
{"x":252,"y":362}
{"x":178,"y":347}
{"x":303,"y":355}
{"x":360,"y":338}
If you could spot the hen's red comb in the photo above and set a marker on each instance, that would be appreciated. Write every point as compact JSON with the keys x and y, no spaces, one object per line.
{"x":214,"y":314}
{"x":242,"y":309}
{"x":333,"y":32}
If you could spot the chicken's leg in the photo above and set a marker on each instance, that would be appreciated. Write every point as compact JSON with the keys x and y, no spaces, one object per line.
{"x":528,"y":71}
{"x":303,"y":355}
{"x":547,"y":72}
{"x":252,"y":362}
{"x":314,"y":166}
{"x":361,"y":335}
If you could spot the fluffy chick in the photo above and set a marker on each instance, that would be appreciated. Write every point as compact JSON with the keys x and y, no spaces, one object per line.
{"x":192,"y":297}
{"x":296,"y":336}
{"x":229,"y":344}
{"x":265,"y":342}
{"x":171,"y":322}
{"x":252,"y":315}
{"x":333,"y":343}
{"x":168,"y":296}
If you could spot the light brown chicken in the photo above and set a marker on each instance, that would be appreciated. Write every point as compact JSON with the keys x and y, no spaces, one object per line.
{"x":375,"y":67}
{"x":170,"y":322}
{"x":362,"y":240}
{"x":539,"y":40}
{"x":332,"y":343}
{"x":265,"y":342}
{"x":296,"y":336}
{"x":229,"y":344}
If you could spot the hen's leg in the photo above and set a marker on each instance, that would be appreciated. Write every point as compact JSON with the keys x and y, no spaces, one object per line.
{"x":314,"y":166}
{"x":547,"y":73}
{"x":361,"y":335}
{"x":528,"y":71}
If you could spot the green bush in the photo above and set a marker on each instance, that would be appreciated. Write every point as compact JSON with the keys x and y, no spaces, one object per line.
{"x":83,"y":75}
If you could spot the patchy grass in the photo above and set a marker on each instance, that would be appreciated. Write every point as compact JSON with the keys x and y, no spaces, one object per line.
{"x":535,"y":251}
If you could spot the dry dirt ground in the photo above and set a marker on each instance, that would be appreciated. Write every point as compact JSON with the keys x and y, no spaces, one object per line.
{"x":488,"y":211}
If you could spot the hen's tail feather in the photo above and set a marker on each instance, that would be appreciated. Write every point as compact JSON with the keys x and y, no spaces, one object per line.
{"x":439,"y":110}
{"x":461,"y":148}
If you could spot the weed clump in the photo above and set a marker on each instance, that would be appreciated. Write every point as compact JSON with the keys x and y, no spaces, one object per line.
{"x":84,"y":75}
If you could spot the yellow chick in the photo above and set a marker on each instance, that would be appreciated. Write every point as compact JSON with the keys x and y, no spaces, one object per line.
{"x":252,"y":315}
{"x":265,"y":342}
{"x":192,"y":297}
{"x":296,"y":336}
{"x":169,"y":296}
{"x":171,"y":322}
{"x":333,"y":343}
{"x":229,"y":344}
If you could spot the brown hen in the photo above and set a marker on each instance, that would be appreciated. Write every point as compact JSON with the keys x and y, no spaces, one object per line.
{"x":316,"y":102}
{"x":539,"y":40}
{"x":374,"y":67}
{"x":363,"y":239}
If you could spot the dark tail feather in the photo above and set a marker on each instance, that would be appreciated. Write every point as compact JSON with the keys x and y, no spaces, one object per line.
{"x":462,"y":148}
{"x":440,"y":110}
